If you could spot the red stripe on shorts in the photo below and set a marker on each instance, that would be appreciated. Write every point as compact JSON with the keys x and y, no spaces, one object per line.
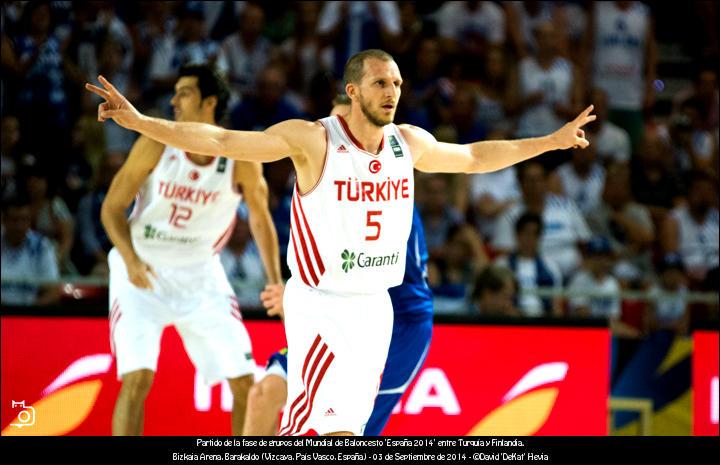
{"x":292,"y":412}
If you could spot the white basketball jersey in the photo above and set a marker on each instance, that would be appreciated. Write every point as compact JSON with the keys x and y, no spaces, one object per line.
{"x":184,"y":212}
{"x":620,"y":53}
{"x":349,"y":233}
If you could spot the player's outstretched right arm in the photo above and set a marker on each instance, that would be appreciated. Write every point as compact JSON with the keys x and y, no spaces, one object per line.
{"x":143,"y":158}
{"x":270,"y":145}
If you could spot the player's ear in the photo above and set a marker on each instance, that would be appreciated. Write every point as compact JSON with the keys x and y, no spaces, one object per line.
{"x":210,"y":102}
{"x":351,"y":89}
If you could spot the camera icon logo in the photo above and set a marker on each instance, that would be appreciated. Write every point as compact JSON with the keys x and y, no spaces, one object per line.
{"x":26,"y":416}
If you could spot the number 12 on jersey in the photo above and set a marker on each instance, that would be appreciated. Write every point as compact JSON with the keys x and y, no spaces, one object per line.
{"x":375,"y":224}
{"x":179,"y":216}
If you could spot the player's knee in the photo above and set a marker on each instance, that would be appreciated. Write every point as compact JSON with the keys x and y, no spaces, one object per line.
{"x":136,"y":385}
{"x":256,"y":395}
{"x":241,"y":387}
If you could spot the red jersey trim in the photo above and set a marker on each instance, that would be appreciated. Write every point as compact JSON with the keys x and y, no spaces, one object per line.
{"x":297,"y":258}
{"x":355,"y":142}
{"x":316,"y":253}
{"x":301,"y":237}
{"x":212,"y":162}
{"x":225,"y":237}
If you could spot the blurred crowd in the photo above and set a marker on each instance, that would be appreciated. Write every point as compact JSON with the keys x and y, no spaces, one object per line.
{"x":637,"y":210}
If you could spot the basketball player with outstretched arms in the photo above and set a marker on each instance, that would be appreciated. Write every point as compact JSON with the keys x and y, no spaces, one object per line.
{"x":351,"y":217}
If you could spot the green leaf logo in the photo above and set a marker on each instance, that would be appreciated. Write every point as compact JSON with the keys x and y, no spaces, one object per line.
{"x":150,"y":232}
{"x":348,"y":260}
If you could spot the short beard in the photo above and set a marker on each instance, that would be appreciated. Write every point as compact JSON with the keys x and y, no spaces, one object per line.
{"x":374,"y":120}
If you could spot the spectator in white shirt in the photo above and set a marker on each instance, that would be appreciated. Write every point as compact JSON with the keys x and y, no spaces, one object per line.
{"x":596,"y":277}
{"x":26,"y":255}
{"x":612,"y":143}
{"x":582,"y":179}
{"x":692,"y":230}
{"x":471,"y":26}
{"x":548,"y":88}
{"x":246,"y":52}
{"x":564,"y":227}
{"x":532,"y":270}
{"x":669,"y":309}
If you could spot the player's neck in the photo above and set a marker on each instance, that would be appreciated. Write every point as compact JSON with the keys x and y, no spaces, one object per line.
{"x":369,"y":135}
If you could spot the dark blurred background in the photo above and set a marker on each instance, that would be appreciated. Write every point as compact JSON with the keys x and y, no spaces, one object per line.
{"x":636,"y":212}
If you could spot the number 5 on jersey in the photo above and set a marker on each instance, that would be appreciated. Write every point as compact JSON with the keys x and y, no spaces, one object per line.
{"x":373,"y":224}
{"x":179,"y":216}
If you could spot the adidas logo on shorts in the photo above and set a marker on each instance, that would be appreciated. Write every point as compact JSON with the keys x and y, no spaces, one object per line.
{"x":330,"y":412}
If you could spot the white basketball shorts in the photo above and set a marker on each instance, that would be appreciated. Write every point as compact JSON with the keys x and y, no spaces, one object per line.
{"x":198,"y":301}
{"x":337,"y":348}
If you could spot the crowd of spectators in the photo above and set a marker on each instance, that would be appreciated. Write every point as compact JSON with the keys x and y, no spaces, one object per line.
{"x":637,"y":210}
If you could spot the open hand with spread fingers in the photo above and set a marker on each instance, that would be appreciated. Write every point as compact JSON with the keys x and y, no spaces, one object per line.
{"x":571,"y":135}
{"x":115,"y":106}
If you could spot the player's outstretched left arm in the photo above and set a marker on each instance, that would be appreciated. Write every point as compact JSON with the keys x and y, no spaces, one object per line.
{"x":201,"y":138}
{"x":432,"y":156}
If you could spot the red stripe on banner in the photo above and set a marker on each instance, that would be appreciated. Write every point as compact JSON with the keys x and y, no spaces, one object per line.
{"x":318,"y":258}
{"x":309,"y":263}
{"x":300,"y":397}
{"x":297,"y":259}
{"x":308,"y":382}
{"x":318,"y":381}
{"x":222,"y":240}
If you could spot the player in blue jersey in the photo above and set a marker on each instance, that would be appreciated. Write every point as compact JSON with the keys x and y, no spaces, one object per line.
{"x":412,"y":331}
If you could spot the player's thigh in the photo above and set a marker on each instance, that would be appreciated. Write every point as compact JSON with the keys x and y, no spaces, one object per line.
{"x":216,"y":339}
{"x":137,"y":318}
